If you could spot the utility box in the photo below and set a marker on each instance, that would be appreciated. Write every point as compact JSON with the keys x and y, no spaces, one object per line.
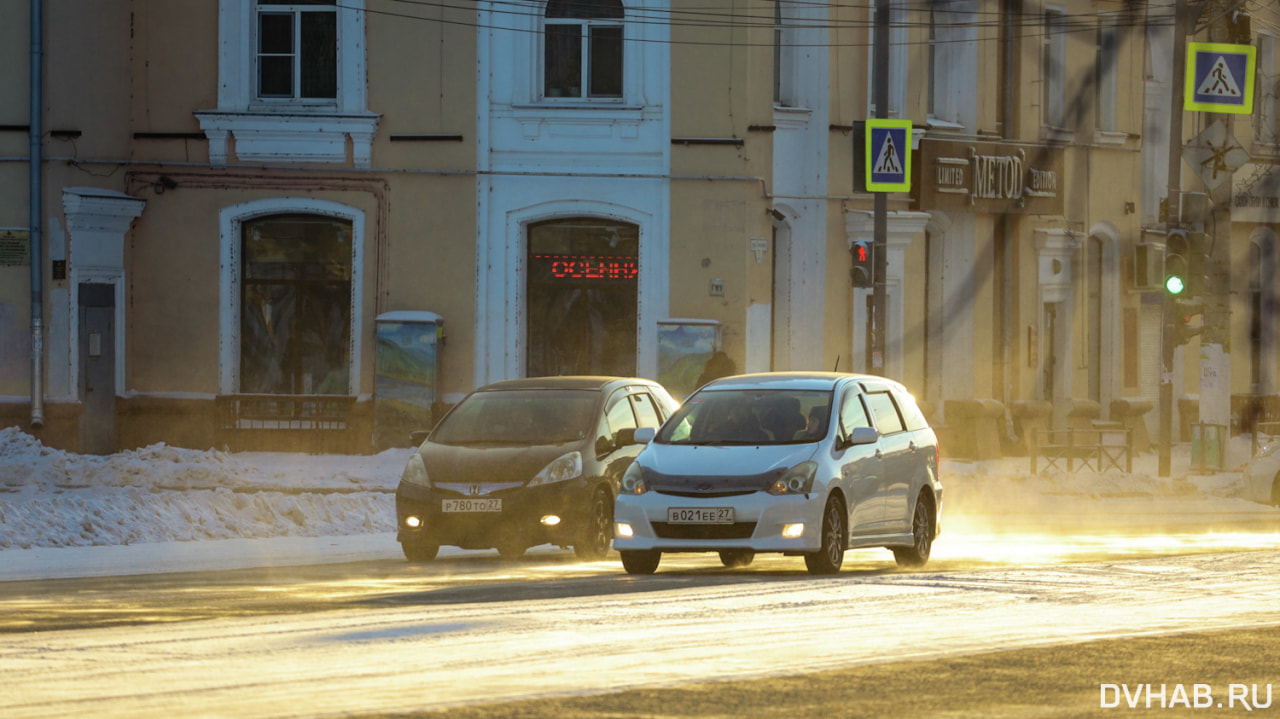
{"x":1208,"y":445}
{"x":406,"y":395}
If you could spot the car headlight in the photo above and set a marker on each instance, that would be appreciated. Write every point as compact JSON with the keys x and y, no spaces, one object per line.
{"x":415,"y":472}
{"x":633,"y":481}
{"x":566,"y":466}
{"x":797,"y":480}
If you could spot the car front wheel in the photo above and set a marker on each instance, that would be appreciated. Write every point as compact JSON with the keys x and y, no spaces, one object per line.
{"x":640,"y":561}
{"x":596,"y":535}
{"x":922,"y":538}
{"x":830,"y":556}
{"x":736,"y":558}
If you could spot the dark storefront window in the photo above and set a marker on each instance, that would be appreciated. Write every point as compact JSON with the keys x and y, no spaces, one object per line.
{"x":295,"y":320}
{"x":582,"y":297}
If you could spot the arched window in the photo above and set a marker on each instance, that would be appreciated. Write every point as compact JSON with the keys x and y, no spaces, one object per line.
{"x":295,"y":308}
{"x":582,"y":49}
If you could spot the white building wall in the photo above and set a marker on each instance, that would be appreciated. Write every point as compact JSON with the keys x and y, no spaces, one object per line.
{"x":540,"y":159}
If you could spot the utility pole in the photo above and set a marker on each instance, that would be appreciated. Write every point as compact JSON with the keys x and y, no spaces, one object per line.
{"x":1172,"y":214}
{"x":880,"y":241}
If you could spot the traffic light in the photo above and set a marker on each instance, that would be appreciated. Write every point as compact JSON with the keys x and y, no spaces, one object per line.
{"x":1179,"y":320}
{"x":1176,"y":276}
{"x":1199,"y":262}
{"x":863,"y":272}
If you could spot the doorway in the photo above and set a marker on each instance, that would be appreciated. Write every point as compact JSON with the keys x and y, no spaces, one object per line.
{"x":97,"y":334}
{"x":582,"y":297}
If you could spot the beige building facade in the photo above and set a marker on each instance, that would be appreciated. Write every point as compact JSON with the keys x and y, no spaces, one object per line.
{"x":315,"y":225}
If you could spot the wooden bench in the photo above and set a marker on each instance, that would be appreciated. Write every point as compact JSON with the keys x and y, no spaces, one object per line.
{"x":1104,"y":447}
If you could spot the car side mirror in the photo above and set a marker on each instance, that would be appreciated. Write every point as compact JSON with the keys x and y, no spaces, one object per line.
{"x":624,"y":437}
{"x":604,"y":445}
{"x":644,"y":435}
{"x":860,"y":436}
{"x":419,"y":437}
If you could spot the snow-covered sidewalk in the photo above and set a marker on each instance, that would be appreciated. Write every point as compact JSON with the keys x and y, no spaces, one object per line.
{"x":164,"y":509}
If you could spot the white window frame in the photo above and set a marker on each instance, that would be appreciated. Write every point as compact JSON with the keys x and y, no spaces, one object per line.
{"x":1266,"y":118}
{"x":283,"y":7}
{"x":275,"y":131}
{"x":898,"y":59}
{"x":230,"y":288}
{"x":1053,"y":71}
{"x":1106,"y":72}
{"x":586,"y":25}
{"x":953,"y":69}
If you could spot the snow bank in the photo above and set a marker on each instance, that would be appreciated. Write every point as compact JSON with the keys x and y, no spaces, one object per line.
{"x":51,"y":498}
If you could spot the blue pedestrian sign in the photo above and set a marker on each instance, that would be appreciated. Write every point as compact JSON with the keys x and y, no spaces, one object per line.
{"x":888,"y":154}
{"x":1220,"y":77}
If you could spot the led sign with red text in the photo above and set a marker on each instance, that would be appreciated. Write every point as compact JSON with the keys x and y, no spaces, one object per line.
{"x":584,"y":267}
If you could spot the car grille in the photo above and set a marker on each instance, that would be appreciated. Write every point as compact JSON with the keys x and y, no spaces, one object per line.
{"x":737,"y":530}
{"x":712,"y":494}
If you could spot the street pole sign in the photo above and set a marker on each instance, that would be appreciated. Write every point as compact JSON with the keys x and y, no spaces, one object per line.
{"x":1220,"y":77}
{"x":888,"y":155}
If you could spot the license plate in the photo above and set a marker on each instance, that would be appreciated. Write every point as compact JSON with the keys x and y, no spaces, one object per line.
{"x":700,"y":515}
{"x":471,"y":505}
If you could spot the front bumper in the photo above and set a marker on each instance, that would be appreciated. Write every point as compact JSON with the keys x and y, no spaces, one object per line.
{"x":759,"y":519}
{"x":519,"y":521}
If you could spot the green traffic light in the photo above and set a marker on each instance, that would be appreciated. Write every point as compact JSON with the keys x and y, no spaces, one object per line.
{"x":1174,"y":284}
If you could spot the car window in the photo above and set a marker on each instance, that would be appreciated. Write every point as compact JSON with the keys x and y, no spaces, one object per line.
{"x":852,"y":413}
{"x":886,"y":413}
{"x":518,"y":417}
{"x":646,"y":413}
{"x":620,"y":416}
{"x":911,"y":413}
{"x":749,"y":417}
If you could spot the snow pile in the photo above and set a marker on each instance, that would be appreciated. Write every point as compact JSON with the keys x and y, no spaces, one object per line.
{"x":52,"y":498}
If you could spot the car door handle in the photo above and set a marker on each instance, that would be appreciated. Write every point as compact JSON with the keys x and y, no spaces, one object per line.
{"x":911,"y":446}
{"x":879,"y":454}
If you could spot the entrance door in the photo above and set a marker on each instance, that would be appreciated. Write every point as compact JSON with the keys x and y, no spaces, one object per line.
{"x":582,"y":298}
{"x":97,"y":368}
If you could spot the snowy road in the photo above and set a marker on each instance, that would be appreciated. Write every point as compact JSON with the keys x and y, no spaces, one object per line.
{"x":417,"y":656}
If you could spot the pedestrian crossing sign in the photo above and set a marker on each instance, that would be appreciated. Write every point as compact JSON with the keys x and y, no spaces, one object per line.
{"x":1220,"y":77}
{"x":888,"y":155}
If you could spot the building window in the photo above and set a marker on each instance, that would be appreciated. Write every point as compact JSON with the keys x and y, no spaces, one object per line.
{"x":1267,"y":113}
{"x":295,"y":306}
{"x":1107,"y":55}
{"x":1053,"y":69}
{"x":784,"y":58}
{"x":582,"y":49}
{"x":898,"y":44}
{"x":952,"y":63}
{"x":297,"y":50}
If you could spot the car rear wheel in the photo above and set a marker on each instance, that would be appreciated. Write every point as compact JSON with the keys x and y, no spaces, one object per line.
{"x":640,"y":561}
{"x":830,"y":556}
{"x":921,"y":535}
{"x":735,"y":558}
{"x":598,"y":532}
{"x":416,"y":550}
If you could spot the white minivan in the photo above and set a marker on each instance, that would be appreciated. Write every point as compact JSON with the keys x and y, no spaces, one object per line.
{"x":802,"y":463}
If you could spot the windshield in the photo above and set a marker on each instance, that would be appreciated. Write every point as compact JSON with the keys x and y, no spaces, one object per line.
{"x":519,"y":417}
{"x":750,"y":417}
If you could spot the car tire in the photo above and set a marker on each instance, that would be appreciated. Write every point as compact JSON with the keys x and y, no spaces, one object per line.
{"x":417,"y":550}
{"x":640,"y":561}
{"x":597,"y":535}
{"x":737,"y":558}
{"x":830,"y":556}
{"x":921,"y":536}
